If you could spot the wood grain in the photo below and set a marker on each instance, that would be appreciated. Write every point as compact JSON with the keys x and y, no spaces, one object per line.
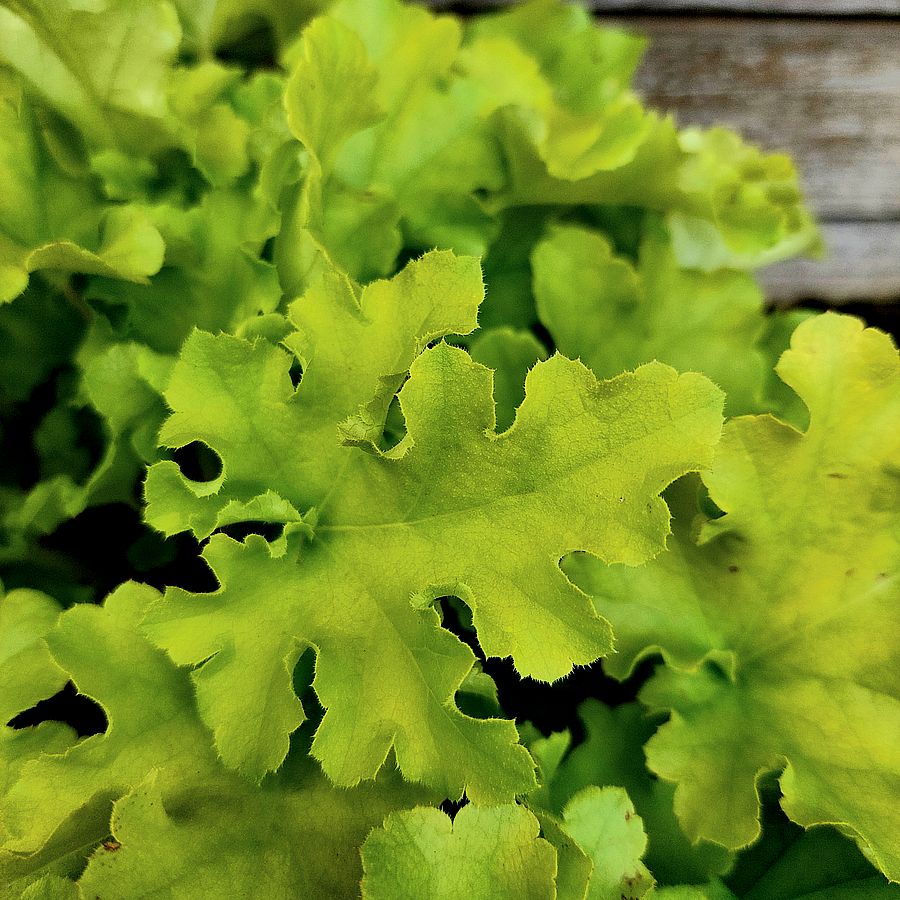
{"x":812,"y":8}
{"x":863,"y":264}
{"x":827,"y":92}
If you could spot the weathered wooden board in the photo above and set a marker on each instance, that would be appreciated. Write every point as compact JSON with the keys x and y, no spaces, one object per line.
{"x":758,"y":7}
{"x":827,"y":92}
{"x":863,"y":264}
{"x":803,"y":76}
{"x":748,"y":7}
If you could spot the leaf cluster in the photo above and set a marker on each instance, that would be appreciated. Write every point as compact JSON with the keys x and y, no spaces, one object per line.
{"x":352,"y":352}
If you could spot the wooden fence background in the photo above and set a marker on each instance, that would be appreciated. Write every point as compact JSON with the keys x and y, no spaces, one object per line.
{"x":818,"y":78}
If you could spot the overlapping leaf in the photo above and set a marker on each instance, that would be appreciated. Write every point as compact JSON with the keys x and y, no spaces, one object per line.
{"x":101,"y":65}
{"x":412,"y":523}
{"x":768,"y":624}
{"x":191,"y":192}
{"x":482,"y":853}
{"x":53,"y":220}
{"x":177,"y":803}
{"x":612,"y":755}
{"x":614,"y":316}
{"x":573,"y":133}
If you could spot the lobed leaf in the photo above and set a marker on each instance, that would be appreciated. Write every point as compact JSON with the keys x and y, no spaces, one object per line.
{"x":766,"y":625}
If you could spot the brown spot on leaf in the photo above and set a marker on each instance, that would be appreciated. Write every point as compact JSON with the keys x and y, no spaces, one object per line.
{"x":112,"y":846}
{"x":838,"y":475}
{"x":733,"y":569}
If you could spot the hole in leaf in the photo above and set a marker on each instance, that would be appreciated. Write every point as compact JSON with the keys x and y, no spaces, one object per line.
{"x":457,"y":617}
{"x":452,"y":807}
{"x":198,"y":462}
{"x":67,"y":706}
{"x":549,"y":707}
{"x":271,"y":531}
{"x":174,"y":561}
{"x":295,"y":373}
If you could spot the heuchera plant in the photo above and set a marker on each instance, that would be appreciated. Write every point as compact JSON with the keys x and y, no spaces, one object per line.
{"x":358,"y":360}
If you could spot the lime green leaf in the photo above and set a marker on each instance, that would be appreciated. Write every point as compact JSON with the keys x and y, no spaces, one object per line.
{"x":211,"y":841}
{"x":192,"y":629}
{"x":331,"y":96}
{"x":564,"y":82}
{"x":747,"y":208}
{"x":27,"y":670}
{"x":212,"y":276}
{"x":587,"y":65}
{"x":102,"y":65}
{"x":604,"y":824}
{"x":767,"y":624}
{"x":481,"y":854}
{"x":789,"y":863}
{"x":216,"y":137}
{"x":351,"y":350}
{"x":51,"y":887}
{"x":423,"y":510}
{"x":656,"y":607}
{"x":331,"y":92}
{"x":178,"y":802}
{"x":64,"y":853}
{"x":615,"y":316}
{"x":612,"y":754}
{"x":28,"y":674}
{"x":152,"y":722}
{"x":129,"y":248}
{"x":433,"y":150}
{"x":727,"y":204}
{"x":52,"y":221}
{"x":573,"y":866}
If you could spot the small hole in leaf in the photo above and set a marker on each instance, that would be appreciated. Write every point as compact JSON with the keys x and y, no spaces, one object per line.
{"x":69,"y":707}
{"x":271,"y":531}
{"x":198,"y":462}
{"x":295,"y":372}
{"x":452,"y":807}
{"x":456,"y":617}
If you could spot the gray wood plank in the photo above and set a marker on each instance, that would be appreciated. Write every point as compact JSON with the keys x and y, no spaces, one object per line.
{"x":828,"y":92}
{"x":863,"y":264}
{"x":758,"y":7}
{"x":750,"y":7}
